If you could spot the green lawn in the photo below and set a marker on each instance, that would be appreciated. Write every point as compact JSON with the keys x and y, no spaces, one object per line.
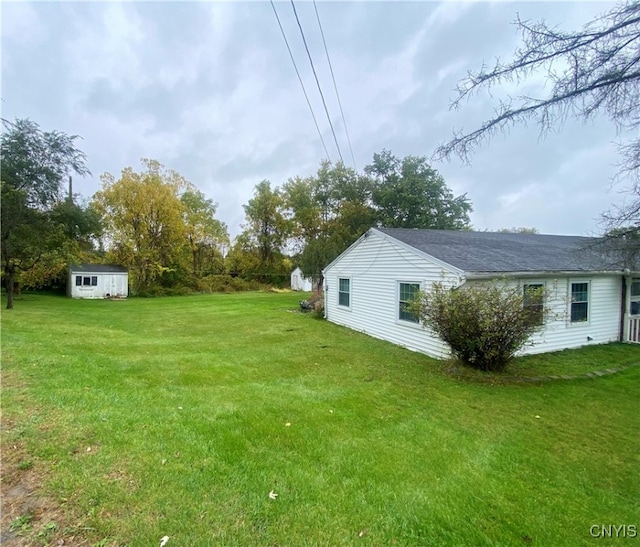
{"x":178,"y":416}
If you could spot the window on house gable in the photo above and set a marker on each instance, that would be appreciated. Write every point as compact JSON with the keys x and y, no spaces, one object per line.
{"x":635,"y":298}
{"x":344,"y":292}
{"x":579,"y":302}
{"x":533,"y":302}
{"x":407,"y":293}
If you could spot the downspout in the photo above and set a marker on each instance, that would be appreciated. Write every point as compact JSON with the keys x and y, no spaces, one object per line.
{"x":325,"y":308}
{"x":626,"y":306}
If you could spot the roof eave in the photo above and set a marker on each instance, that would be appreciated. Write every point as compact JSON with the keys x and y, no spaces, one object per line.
{"x":545,"y":273}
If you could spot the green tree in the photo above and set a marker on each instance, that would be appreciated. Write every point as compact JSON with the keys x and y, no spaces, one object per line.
{"x":143,"y":220}
{"x":267,"y":229}
{"x":328,"y":212}
{"x":77,"y":228}
{"x":34,"y":164}
{"x":409,"y":193}
{"x":206,"y":235}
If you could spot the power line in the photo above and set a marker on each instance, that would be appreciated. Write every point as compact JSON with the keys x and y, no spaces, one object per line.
{"x":301,"y":83}
{"x":317,"y":81}
{"x":335,"y":86}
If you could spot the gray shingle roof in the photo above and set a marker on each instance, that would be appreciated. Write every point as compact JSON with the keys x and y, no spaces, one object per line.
{"x":97,"y":268}
{"x":477,"y":252}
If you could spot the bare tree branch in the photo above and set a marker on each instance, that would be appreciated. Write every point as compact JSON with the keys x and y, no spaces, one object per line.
{"x":592,"y":71}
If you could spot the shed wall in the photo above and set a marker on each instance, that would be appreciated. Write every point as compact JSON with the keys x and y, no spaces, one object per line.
{"x":113,"y":284}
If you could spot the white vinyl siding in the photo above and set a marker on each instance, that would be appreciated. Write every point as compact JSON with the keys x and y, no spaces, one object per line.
{"x":605,"y":293}
{"x":375,"y":266}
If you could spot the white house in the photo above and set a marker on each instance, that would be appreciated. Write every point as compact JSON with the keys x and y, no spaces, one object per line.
{"x":299,"y":282}
{"x":592,"y":302}
{"x":97,"y":281}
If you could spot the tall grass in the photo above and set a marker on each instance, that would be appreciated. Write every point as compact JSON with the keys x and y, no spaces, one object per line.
{"x":179,"y":416}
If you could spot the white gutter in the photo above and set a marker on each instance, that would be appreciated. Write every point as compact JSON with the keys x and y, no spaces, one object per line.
{"x":539,"y":273}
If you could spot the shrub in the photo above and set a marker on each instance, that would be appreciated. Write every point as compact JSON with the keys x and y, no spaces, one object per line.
{"x":485,"y":323}
{"x":227,"y":284}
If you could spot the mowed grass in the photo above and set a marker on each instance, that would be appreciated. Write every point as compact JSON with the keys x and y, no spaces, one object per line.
{"x":178,"y":416}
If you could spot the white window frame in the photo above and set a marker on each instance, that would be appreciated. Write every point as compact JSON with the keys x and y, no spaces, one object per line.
{"x":588,"y":301}
{"x":543,"y":284}
{"x":350,"y":293}
{"x":399,"y":320}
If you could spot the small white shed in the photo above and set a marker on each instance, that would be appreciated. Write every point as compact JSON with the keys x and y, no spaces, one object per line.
{"x":97,"y":281}
{"x":299,"y":282}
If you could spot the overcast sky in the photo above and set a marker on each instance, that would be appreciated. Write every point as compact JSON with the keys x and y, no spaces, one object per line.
{"x":208,"y":89}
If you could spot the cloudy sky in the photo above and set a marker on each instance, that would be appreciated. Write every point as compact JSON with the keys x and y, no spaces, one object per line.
{"x":208,"y":89}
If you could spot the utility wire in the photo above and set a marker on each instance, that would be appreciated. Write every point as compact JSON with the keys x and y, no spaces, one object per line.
{"x":317,"y":81}
{"x":301,"y":83}
{"x":335,"y":86}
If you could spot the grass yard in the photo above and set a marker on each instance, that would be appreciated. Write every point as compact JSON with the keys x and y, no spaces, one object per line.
{"x":124,"y":422}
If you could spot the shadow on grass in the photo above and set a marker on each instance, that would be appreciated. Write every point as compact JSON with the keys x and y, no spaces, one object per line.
{"x":571,"y":364}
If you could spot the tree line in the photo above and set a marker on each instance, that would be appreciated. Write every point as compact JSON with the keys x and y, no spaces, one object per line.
{"x":164,"y":230}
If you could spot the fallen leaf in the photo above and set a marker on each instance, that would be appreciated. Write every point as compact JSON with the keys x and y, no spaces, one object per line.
{"x":288,"y":424}
{"x":272,"y":495}
{"x":163,"y":541}
{"x":537,"y":416}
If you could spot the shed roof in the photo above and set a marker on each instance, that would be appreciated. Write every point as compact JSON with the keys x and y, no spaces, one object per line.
{"x":97,"y":268}
{"x":491,"y":252}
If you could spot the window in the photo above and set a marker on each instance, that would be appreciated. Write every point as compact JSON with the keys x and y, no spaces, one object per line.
{"x":579,"y":302}
{"x":94,"y":280}
{"x":533,"y":302}
{"x":406,"y":295}
{"x":86,"y":281}
{"x":78,"y":281}
{"x":344,"y":292}
{"x":635,"y":298}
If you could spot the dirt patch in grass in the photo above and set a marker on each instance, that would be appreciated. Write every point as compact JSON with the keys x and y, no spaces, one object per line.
{"x":27,"y":516}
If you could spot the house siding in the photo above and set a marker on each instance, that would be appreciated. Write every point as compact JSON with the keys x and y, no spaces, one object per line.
{"x":375,"y":266}
{"x":602,"y":326}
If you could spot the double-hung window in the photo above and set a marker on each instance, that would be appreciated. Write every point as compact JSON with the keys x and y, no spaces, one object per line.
{"x":344,"y":292}
{"x":533,"y":302}
{"x":580,"y":302}
{"x":407,"y":293}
